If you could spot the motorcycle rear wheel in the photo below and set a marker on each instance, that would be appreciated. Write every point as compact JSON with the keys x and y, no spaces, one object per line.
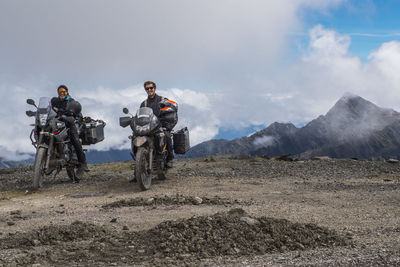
{"x":71,"y":174}
{"x":38,"y":167}
{"x":142,"y":171}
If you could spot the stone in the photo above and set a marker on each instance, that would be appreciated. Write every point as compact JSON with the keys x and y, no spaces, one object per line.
{"x":321,"y":158}
{"x":197,"y":200}
{"x":150,"y":201}
{"x":248,"y":220}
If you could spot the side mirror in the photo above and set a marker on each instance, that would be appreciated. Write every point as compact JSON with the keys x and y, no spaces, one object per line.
{"x":31,"y":102}
{"x":125,"y":110}
{"x":30,"y":113}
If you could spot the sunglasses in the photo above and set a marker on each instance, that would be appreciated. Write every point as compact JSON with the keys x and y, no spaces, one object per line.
{"x":149,"y":88}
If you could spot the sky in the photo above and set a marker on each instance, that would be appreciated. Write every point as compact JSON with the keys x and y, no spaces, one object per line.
{"x":232,"y":66}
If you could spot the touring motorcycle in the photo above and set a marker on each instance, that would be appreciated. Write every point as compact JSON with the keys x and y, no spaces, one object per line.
{"x":50,"y":137}
{"x":148,"y":145}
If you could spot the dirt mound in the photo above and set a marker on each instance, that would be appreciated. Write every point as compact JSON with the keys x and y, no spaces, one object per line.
{"x":53,"y":234}
{"x":180,"y":242}
{"x":170,"y":200}
{"x":235,"y":233}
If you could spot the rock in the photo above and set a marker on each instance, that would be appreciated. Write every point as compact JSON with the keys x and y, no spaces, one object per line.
{"x":15,"y":212}
{"x":392,"y":161}
{"x":113,"y":220}
{"x":36,"y":242}
{"x":285,"y":158}
{"x":125,"y":228}
{"x":150,"y":201}
{"x":197,"y":200}
{"x":10,"y":223}
{"x":321,"y":158}
{"x":248,"y":220}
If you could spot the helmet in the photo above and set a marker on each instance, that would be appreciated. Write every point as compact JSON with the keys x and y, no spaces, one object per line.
{"x":74,"y":107}
{"x":167,"y":106}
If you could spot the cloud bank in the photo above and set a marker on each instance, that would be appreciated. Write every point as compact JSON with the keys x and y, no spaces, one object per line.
{"x":220,"y":60}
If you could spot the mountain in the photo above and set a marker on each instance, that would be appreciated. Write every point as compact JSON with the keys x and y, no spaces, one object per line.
{"x":353,"y":127}
{"x":4,"y":163}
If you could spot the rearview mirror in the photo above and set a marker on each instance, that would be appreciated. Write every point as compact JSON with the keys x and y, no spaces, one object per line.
{"x":125,"y":110}
{"x":31,"y":102}
{"x":30,"y":113}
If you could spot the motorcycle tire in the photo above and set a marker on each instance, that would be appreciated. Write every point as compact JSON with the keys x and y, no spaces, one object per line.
{"x":38,"y":167}
{"x":143,"y":175}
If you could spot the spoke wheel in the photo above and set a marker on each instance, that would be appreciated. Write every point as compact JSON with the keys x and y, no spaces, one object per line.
{"x":143,"y":175}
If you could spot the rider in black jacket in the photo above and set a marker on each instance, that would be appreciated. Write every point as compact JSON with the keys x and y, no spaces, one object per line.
{"x":59,"y":105}
{"x":153,"y":101}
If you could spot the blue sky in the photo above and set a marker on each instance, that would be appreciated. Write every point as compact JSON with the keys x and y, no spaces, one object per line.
{"x":233,"y":66}
{"x":369,"y":23}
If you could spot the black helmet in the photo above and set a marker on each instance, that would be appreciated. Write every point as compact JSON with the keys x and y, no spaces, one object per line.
{"x":74,"y":107}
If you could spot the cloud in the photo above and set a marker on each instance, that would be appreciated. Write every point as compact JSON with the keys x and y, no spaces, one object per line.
{"x":220,"y":60}
{"x":264,"y":141}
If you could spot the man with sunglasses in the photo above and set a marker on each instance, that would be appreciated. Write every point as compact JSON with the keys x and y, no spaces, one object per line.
{"x":154,"y":102}
{"x":59,"y":105}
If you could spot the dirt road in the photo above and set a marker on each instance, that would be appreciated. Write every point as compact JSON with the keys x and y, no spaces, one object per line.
{"x":221,"y":211}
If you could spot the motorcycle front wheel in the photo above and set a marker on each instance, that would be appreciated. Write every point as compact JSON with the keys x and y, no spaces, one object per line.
{"x":142,"y":171}
{"x":38,"y":167}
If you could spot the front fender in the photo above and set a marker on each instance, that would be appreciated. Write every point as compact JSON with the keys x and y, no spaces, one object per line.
{"x":140,"y":141}
{"x":44,"y":145}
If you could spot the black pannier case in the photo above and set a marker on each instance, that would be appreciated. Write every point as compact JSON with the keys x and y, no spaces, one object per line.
{"x":181,"y":141}
{"x":93,"y":132}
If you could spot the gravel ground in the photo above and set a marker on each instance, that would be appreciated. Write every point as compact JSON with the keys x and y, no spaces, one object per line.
{"x":219,"y":211}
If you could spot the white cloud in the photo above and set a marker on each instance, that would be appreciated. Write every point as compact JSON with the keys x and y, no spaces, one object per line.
{"x":264,"y":141}
{"x":217,"y":59}
{"x":329,"y":70}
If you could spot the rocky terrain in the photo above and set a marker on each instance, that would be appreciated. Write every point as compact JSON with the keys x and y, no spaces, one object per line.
{"x":214,"y":211}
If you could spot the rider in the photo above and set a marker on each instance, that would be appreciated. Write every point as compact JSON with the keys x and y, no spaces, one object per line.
{"x":153,"y":101}
{"x":59,"y":105}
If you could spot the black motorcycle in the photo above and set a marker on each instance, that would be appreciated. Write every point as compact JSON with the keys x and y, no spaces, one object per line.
{"x":148,"y":146}
{"x":50,"y":137}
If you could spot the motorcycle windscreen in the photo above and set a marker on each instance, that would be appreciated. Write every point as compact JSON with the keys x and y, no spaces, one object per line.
{"x":44,"y":106}
{"x":143,"y":116}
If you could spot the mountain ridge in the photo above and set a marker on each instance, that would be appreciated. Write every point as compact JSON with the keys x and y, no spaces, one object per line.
{"x":353,"y":127}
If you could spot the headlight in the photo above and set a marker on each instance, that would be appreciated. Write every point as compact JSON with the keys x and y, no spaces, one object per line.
{"x":43,"y":119}
{"x":142,"y":129}
{"x":59,"y":124}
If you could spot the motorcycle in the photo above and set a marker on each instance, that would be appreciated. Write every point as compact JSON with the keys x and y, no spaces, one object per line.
{"x":148,"y":145}
{"x":54,"y":149}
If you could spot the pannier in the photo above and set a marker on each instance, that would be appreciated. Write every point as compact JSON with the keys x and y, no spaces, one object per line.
{"x":181,"y":141}
{"x":93,"y":132}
